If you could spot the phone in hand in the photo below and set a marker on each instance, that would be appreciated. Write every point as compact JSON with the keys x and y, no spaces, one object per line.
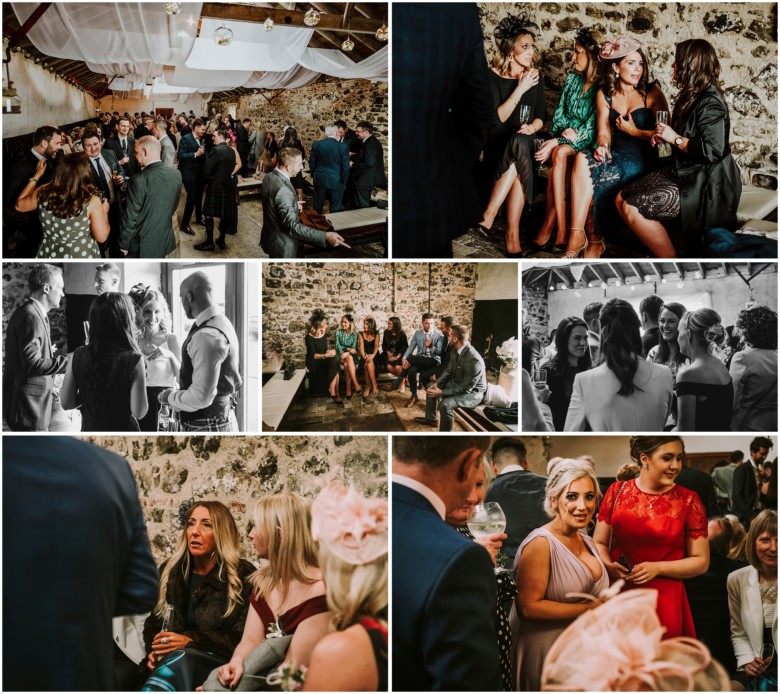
{"x":624,"y":562}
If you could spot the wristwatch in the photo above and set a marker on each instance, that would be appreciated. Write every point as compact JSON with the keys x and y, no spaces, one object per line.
{"x":678,"y":141}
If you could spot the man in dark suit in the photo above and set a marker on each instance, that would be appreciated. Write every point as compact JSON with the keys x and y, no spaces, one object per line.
{"x":519,"y":492}
{"x":649,"y":310}
{"x":144,"y":129}
{"x":70,"y":511}
{"x":744,"y":494}
{"x":701,"y":483}
{"x":243,"y":146}
{"x":123,"y":146}
{"x":347,"y":137}
{"x":30,"y":360}
{"x":22,"y":230}
{"x":444,"y":631}
{"x":282,"y":226}
{"x":446,"y":70}
{"x":462,"y":384}
{"x":192,"y":149}
{"x":329,"y":164}
{"x":152,"y":198}
{"x":368,"y":171}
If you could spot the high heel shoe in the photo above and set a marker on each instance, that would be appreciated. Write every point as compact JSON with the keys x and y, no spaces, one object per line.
{"x":336,"y":399}
{"x":546,"y":247}
{"x":571,"y":255}
{"x":483,"y":230}
{"x":601,"y":248}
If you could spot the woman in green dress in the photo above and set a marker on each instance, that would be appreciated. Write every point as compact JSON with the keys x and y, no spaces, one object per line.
{"x":347,"y":351}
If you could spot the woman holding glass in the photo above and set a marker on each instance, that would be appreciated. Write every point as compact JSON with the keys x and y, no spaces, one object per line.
{"x":702,"y":187}
{"x":552,"y":562}
{"x":347,"y":351}
{"x":753,"y":607}
{"x":321,"y":362}
{"x":368,"y":347}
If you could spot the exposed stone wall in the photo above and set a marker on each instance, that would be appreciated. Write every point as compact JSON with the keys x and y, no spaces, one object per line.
{"x":743,"y":34}
{"x":535,"y":311}
{"x":239,"y":470}
{"x":313,"y":107}
{"x":291,"y":291}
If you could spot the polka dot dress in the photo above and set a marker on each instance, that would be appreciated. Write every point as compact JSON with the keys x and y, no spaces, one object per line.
{"x":507,"y":590}
{"x":66,"y":238}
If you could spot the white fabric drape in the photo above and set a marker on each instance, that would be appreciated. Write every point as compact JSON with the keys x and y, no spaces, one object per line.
{"x":292,"y":79}
{"x":333,"y":62}
{"x":215,"y":80}
{"x":145,"y":70}
{"x":132,"y":32}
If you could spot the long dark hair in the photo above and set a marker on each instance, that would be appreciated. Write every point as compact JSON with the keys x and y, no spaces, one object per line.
{"x":111,"y":330}
{"x":71,"y":188}
{"x":664,"y":354}
{"x":591,"y":40}
{"x":395,"y":321}
{"x":290,"y":137}
{"x":371,"y":325}
{"x":697,"y":68}
{"x":560,"y":362}
{"x":621,"y":343}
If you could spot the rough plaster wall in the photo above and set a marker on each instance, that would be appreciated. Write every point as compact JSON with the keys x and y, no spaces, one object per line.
{"x":291,"y":291}
{"x":535,"y":307}
{"x":313,"y":107}
{"x":239,"y":470}
{"x":743,"y":34}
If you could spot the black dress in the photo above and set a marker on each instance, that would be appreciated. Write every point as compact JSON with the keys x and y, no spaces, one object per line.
{"x":713,"y":404}
{"x":561,"y":386}
{"x":392,"y":346}
{"x":105,"y":397}
{"x":321,"y":371}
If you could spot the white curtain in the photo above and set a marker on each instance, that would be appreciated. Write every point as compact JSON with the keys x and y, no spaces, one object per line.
{"x":333,"y":62}
{"x":292,"y":79}
{"x":145,"y":70}
{"x":215,"y":80}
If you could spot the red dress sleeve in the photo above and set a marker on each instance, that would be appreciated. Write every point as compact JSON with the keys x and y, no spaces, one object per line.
{"x":608,"y":502}
{"x":695,"y":518}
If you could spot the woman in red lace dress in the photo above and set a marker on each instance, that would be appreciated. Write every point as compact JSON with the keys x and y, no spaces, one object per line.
{"x":653,"y":533}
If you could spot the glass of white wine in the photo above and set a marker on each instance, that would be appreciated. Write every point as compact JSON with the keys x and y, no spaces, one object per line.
{"x":664,"y":148}
{"x":487,"y":519}
{"x":524,"y":111}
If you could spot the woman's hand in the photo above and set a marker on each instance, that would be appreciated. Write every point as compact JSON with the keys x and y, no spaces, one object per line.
{"x":330,"y":353}
{"x":526,"y":130}
{"x":168,"y":641}
{"x":542,"y":394}
{"x":602,"y":153}
{"x":529,"y":79}
{"x":492,"y":543}
{"x":570,"y":134}
{"x":627,"y":125}
{"x":40,"y":168}
{"x":616,"y":571}
{"x":755,"y":668}
{"x":369,"y":358}
{"x":230,"y":673}
{"x":643,"y":573}
{"x":546,"y":150}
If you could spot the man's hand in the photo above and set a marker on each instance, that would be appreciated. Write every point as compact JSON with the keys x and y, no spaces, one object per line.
{"x":334,"y":239}
{"x":162,"y":397}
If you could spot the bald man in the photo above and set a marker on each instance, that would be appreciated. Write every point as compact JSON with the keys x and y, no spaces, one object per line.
{"x":209,"y":376}
{"x":152,"y":199}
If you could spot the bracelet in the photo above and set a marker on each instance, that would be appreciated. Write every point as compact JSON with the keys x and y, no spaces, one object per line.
{"x":33,"y":180}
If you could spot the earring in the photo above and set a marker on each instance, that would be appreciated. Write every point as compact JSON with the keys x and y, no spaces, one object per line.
{"x":646,"y":466}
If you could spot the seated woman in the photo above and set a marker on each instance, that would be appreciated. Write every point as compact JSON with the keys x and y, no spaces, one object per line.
{"x":321,"y":362}
{"x":626,"y":111}
{"x":204,"y":596}
{"x":552,"y":562}
{"x":347,"y":351}
{"x":394,"y":345}
{"x":106,"y":377}
{"x":754,"y":371}
{"x":288,"y":595}
{"x":574,"y":128}
{"x":73,"y":218}
{"x":161,"y":350}
{"x":625,"y":392}
{"x":368,"y":345}
{"x":354,"y":568}
{"x":707,"y":194}
{"x":703,"y":388}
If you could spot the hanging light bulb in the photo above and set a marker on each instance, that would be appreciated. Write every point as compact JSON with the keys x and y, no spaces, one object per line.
{"x":268,"y":24}
{"x":311,"y":18}
{"x":223,"y":36}
{"x":348,"y":45}
{"x":383,"y":33}
{"x":172,"y":8}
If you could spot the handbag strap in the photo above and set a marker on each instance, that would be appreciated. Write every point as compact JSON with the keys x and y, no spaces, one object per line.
{"x":611,"y":517}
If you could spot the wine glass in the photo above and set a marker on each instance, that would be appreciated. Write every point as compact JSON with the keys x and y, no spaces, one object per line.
{"x":524,"y":112}
{"x":487,"y":519}
{"x":538,"y":142}
{"x":664,"y":148}
{"x":167,"y":620}
{"x":767,"y":653}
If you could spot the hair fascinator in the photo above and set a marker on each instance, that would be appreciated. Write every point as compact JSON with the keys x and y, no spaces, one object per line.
{"x":585,"y":38}
{"x":509,"y":28}
{"x":138,"y":294}
{"x":351,"y":526}
{"x":631,"y":655}
{"x":619,"y":47}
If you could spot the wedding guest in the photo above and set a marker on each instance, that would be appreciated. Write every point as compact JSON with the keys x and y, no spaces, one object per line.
{"x":738,"y":541}
{"x":767,"y":493}
{"x":701,"y":187}
{"x":703,"y":387}
{"x":106,"y":377}
{"x":747,"y":480}
{"x":368,"y":347}
{"x":222,"y":163}
{"x":347,"y":352}
{"x":394,"y":344}
{"x":649,"y":313}
{"x":668,"y":350}
{"x":643,"y":390}
{"x":626,"y":111}
{"x":107,"y":278}
{"x":271,"y":145}
{"x":191,"y":156}
{"x":590,"y":314}
{"x":321,"y":362}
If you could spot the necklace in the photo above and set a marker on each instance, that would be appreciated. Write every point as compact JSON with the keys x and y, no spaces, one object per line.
{"x":768,"y":592}
{"x":655,"y":495}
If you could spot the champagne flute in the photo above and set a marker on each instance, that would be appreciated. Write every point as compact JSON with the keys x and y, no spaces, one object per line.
{"x":664,"y":148}
{"x":524,"y":111}
{"x":767,"y":653}
{"x":538,"y":143}
{"x":487,"y":519}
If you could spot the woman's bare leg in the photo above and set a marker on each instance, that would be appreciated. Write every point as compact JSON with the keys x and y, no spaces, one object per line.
{"x":333,"y":388}
{"x":649,"y":232}
{"x":514,"y":211}
{"x":548,"y":225}
{"x":581,"y":200}
{"x":500,"y":192}
{"x":561,"y":186}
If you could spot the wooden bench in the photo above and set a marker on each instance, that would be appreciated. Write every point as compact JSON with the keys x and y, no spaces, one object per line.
{"x":756,"y":203}
{"x":474,"y":419}
{"x":278,"y":397}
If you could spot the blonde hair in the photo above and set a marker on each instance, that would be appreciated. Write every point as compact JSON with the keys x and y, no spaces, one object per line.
{"x":490,"y":474}
{"x":226,"y":539}
{"x":739,"y":539}
{"x":764,"y":522}
{"x":351,"y":320}
{"x":285,"y":523}
{"x":564,"y":473}
{"x":354,"y":592}
{"x":167,"y":320}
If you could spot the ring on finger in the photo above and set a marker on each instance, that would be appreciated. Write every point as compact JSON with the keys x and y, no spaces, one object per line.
{"x":165,"y":640}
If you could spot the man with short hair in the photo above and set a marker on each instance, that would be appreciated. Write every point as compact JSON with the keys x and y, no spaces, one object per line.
{"x":368,"y":171}
{"x":30,"y":359}
{"x":462,"y":384}
{"x":192,"y":149}
{"x":591,"y":317}
{"x":649,"y":310}
{"x":167,"y":150}
{"x":520,"y":493}
{"x":209,"y":378}
{"x":103,"y":165}
{"x":444,"y":631}
{"x":347,"y":137}
{"x":144,"y":130}
{"x":723,"y":478}
{"x":282,"y":226}
{"x":107,"y":277}
{"x":430,"y":375}
{"x":747,"y":481}
{"x":123,"y":146}
{"x":329,"y":164}
{"x":152,"y":198}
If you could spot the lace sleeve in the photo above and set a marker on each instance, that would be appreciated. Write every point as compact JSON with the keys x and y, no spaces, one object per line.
{"x":607,"y":502}
{"x":695,"y":518}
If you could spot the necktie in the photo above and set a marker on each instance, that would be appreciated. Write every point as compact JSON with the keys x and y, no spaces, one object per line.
{"x":101,"y":176}
{"x":124,"y":146}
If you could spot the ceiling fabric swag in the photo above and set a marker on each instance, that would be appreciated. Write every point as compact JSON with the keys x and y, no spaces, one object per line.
{"x":146,"y":71}
{"x":103,"y":33}
{"x":333,"y":62}
{"x":292,"y":79}
{"x":216,"y":80}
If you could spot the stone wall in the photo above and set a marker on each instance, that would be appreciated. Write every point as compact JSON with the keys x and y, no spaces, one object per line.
{"x":291,"y":291}
{"x":535,"y":311}
{"x":313,"y":107}
{"x":743,"y":34}
{"x":239,"y":470}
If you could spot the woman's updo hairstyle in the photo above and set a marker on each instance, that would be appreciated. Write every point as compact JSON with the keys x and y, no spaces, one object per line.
{"x":506,"y":33}
{"x":647,"y":445}
{"x":317,"y":316}
{"x":591,"y":40}
{"x":704,"y":323}
{"x":565,"y":472}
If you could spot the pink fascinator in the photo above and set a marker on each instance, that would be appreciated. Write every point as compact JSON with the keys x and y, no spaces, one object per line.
{"x":631,"y":655}
{"x":619,"y":47}
{"x":352,"y":527}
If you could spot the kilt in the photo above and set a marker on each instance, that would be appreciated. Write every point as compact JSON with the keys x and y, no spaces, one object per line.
{"x":220,"y":200}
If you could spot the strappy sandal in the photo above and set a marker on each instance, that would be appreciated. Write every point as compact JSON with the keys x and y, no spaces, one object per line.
{"x":597,"y":244}
{"x":571,"y":255}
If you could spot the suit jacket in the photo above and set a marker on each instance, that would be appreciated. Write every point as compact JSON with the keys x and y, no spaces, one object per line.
{"x":282,"y":226}
{"x":351,"y":140}
{"x":190,"y":165}
{"x":754,"y":375}
{"x":152,"y":199}
{"x":701,"y":483}
{"x":445,"y":71}
{"x":29,"y":367}
{"x":329,"y":163}
{"x":744,"y":493}
{"x":168,"y":153}
{"x":418,"y":343}
{"x":465,"y":374}
{"x":369,"y":169}
{"x":24,"y":227}
{"x":444,"y":632}
{"x":747,"y":614}
{"x":98,"y":552}
{"x":111,"y":160}
{"x":596,"y":406}
{"x":115,"y":146}
{"x":521,"y":495}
